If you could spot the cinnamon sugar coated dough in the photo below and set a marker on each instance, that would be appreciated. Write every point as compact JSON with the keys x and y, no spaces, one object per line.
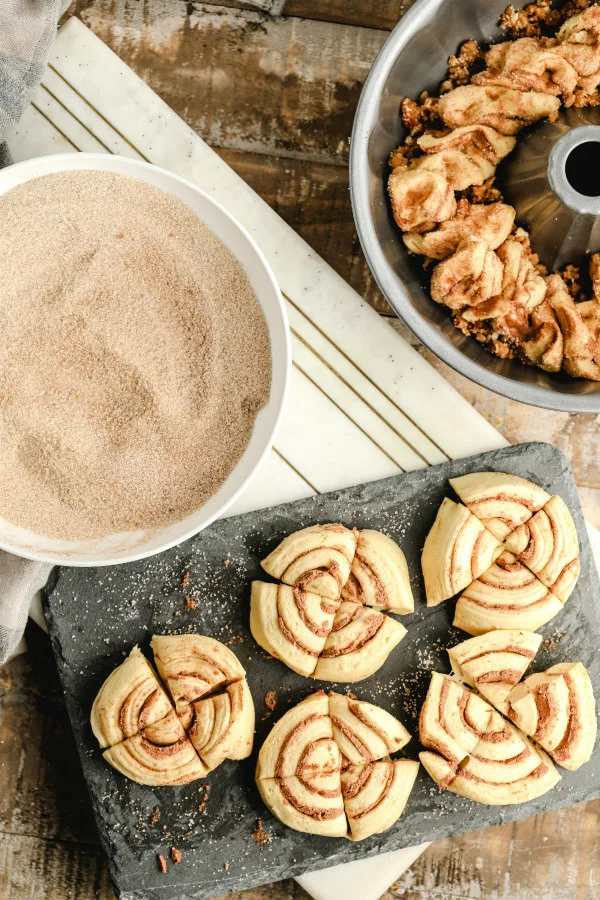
{"x":135,"y":357}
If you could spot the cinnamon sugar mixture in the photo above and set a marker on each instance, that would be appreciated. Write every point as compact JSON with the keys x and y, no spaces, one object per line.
{"x":134,"y":357}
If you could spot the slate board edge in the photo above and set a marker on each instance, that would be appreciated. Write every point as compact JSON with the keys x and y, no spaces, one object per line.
{"x":231,"y":882}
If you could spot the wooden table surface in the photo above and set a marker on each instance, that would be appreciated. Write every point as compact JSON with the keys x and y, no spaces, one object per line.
{"x":272,"y":85}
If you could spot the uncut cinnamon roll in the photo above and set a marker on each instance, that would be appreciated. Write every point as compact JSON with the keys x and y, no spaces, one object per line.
{"x":130,"y":699}
{"x":315,"y":559}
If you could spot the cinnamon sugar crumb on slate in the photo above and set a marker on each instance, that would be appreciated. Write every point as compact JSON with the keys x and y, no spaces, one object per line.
{"x":190,"y":604}
{"x":155,"y":815}
{"x":162,"y":864}
{"x":270,"y":700}
{"x":175,"y":855}
{"x":185,"y":580}
{"x":261,"y":837}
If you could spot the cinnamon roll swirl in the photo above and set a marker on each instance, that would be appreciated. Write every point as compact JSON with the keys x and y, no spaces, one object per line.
{"x":315,"y":559}
{"x":507,"y":596}
{"x":375,"y":795}
{"x":159,"y":755}
{"x":494,"y":662}
{"x":457,"y":550}
{"x":557,"y":708}
{"x":548,"y":545}
{"x":130,"y":699}
{"x":500,"y":501}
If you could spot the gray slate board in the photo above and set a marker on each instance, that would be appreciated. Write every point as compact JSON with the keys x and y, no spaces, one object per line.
{"x":96,"y":615}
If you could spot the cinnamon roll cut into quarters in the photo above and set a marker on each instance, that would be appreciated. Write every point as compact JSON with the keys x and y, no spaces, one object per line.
{"x":476,"y":753}
{"x":486,"y":273}
{"x":495,"y":662}
{"x":328,"y":620}
{"x":457,"y":550}
{"x":153,"y":743}
{"x":325,"y":768}
{"x":557,"y":709}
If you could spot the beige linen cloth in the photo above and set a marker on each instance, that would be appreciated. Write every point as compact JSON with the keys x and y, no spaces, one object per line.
{"x":27,"y":31}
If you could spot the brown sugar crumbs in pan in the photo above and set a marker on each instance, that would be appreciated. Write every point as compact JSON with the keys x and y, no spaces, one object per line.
{"x":445,"y":199}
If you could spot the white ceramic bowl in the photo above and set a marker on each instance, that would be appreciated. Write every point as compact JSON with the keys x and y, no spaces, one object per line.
{"x":126,"y":546}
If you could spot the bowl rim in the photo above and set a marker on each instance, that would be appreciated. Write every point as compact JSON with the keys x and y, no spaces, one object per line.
{"x":279,"y":388}
{"x":397,"y":296}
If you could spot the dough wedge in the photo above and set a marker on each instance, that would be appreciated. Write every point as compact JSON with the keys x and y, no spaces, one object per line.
{"x":293,"y":735}
{"x":557,"y":708}
{"x":548,"y":545}
{"x":159,"y":755}
{"x":130,"y":699}
{"x":375,"y":795}
{"x":495,"y":662}
{"x":500,"y":501}
{"x":291,"y":624}
{"x":452,"y":719}
{"x":312,"y":804}
{"x":457,"y":550}
{"x":359,"y":643}
{"x":507,"y":596}
{"x":222,"y":726}
{"x":379,"y":574}
{"x":192,"y":665}
{"x":364,"y":732}
{"x":316,"y":559}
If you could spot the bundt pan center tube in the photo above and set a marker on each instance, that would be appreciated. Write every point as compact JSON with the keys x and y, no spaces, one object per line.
{"x":550,"y":175}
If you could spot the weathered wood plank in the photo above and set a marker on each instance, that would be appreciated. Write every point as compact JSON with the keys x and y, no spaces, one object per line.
{"x":381,"y":14}
{"x":314,"y":199}
{"x":551,"y":857}
{"x":242,"y":80}
{"x":367,"y":13}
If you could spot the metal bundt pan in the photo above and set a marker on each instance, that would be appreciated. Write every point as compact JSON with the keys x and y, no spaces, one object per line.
{"x":562,"y":221}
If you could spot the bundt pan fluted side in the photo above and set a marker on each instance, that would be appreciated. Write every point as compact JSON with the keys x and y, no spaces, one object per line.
{"x":414,"y":59}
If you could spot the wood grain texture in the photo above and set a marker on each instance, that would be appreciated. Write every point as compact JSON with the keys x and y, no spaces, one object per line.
{"x":243,"y":80}
{"x":211,"y":61}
